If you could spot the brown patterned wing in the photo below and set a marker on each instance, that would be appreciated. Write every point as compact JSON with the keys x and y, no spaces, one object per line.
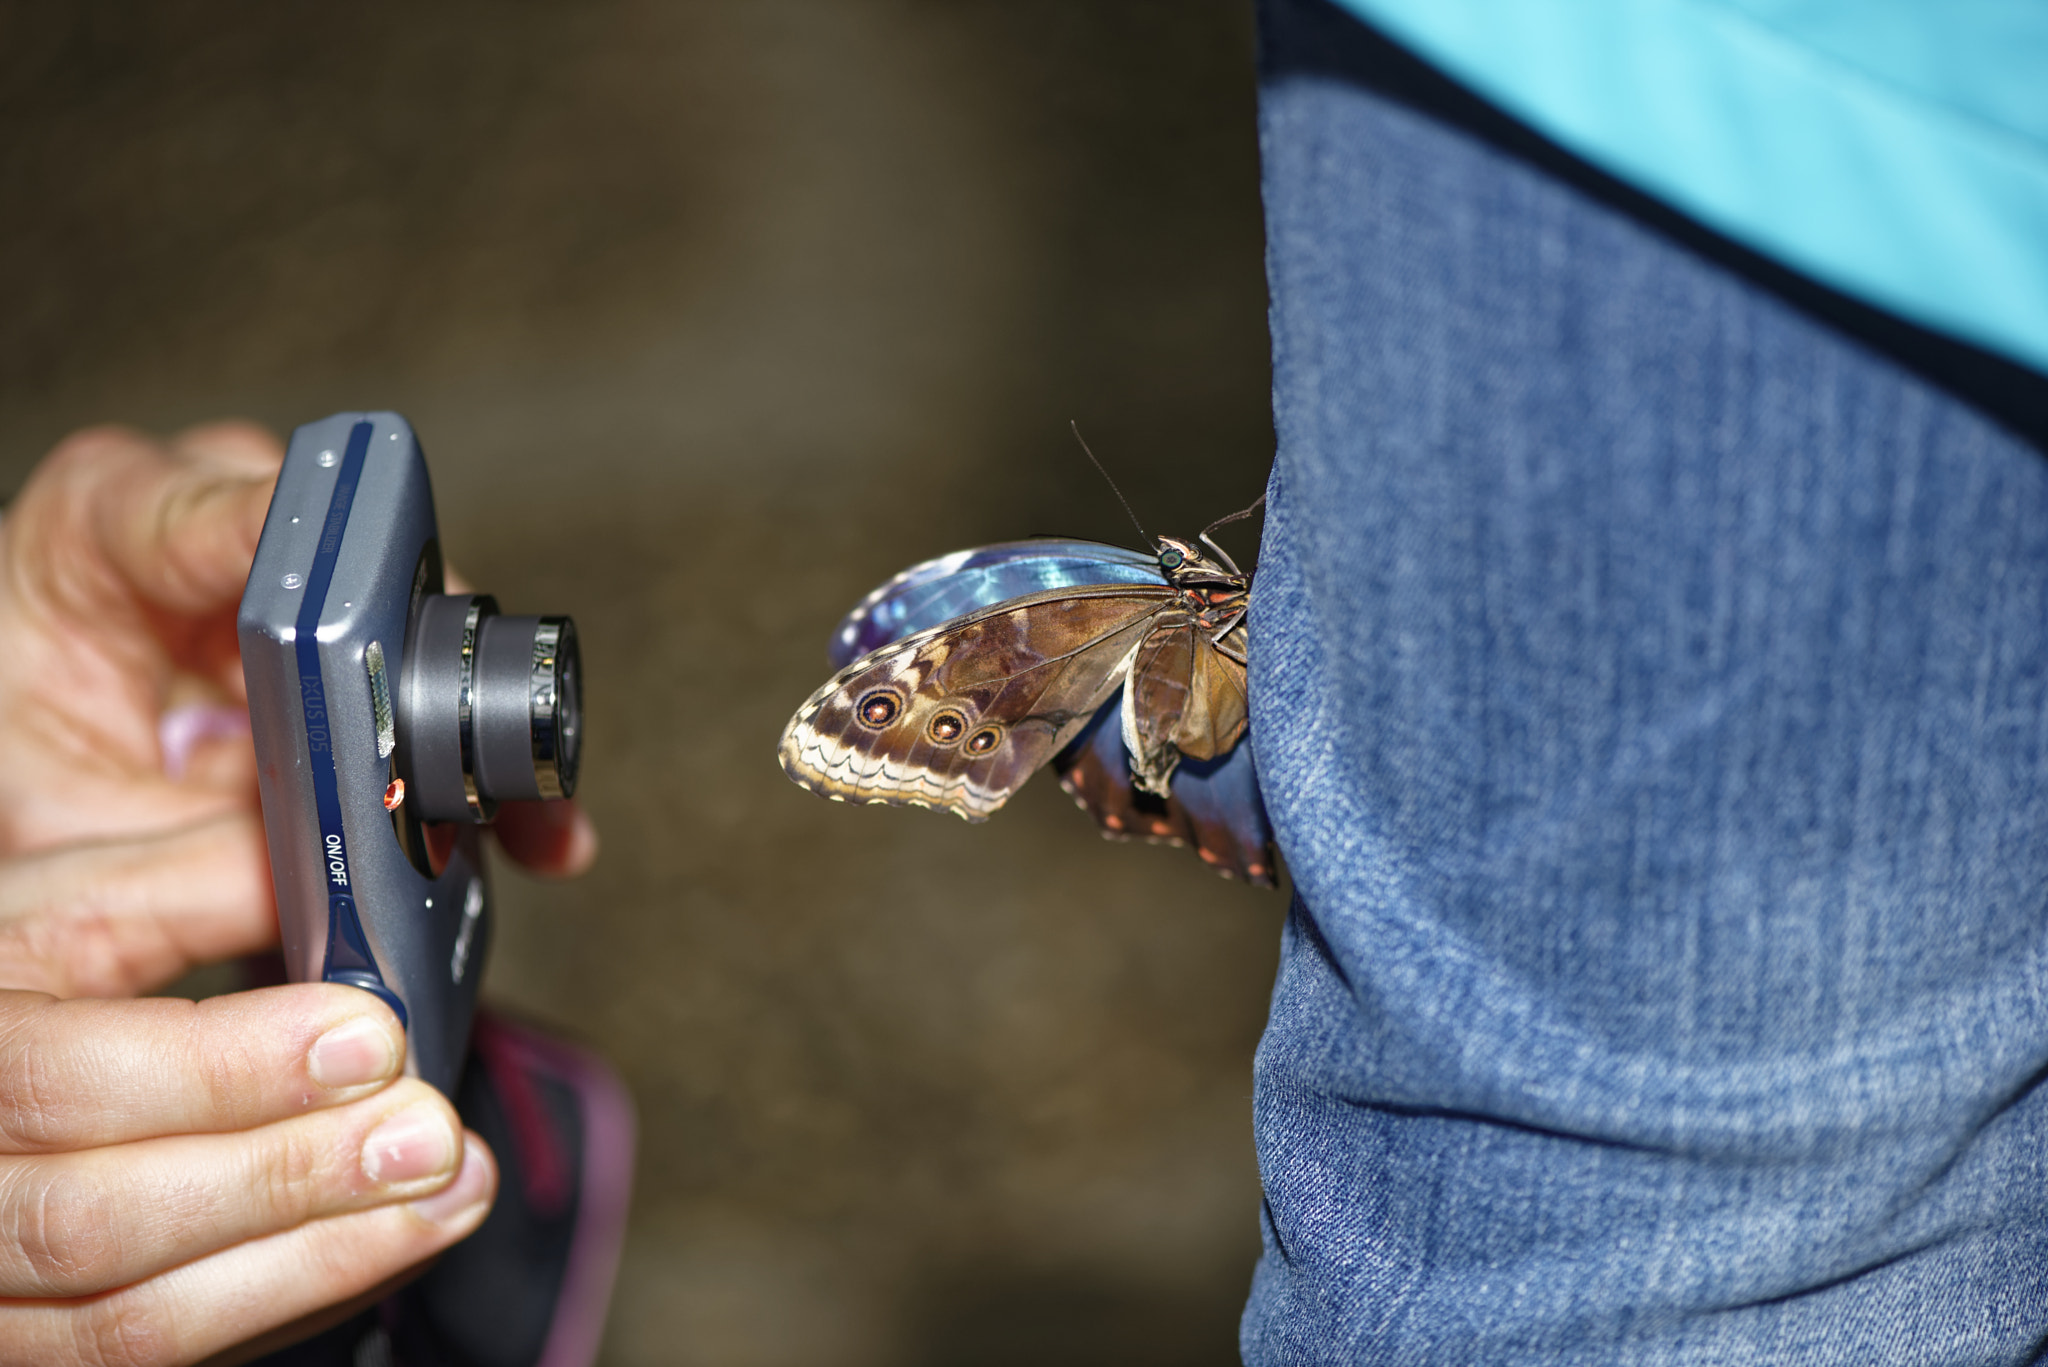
{"x":960,"y":715}
{"x":1186,"y":699}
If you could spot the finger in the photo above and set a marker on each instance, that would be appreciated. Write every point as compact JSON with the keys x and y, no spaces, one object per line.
{"x":556,"y":839}
{"x":306,"y":1327}
{"x":112,"y":519}
{"x":212,"y":1304}
{"x":184,"y":532}
{"x":81,"y":1074}
{"x":120,"y":917}
{"x":233,"y":445}
{"x":72,"y":791}
{"x":75,"y":1224}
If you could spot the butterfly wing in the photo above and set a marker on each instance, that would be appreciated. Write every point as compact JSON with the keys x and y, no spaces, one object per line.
{"x":1185,"y":698}
{"x":959,"y":715}
{"x":1214,"y":807}
{"x":1232,"y":832}
{"x":949,"y":586}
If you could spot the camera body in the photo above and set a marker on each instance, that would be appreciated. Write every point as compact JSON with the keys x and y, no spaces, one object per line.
{"x":389,"y":720}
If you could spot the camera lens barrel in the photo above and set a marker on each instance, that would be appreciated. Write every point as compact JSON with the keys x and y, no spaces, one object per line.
{"x":523,"y":723}
{"x":489,"y":708}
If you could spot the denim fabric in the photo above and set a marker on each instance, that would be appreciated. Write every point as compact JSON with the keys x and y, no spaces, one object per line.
{"x":1651,"y":691}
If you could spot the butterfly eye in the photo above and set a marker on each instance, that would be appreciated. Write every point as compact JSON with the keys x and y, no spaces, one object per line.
{"x":1172,"y":559}
{"x":878,"y":709}
{"x":946,"y":727}
{"x":984,"y":740}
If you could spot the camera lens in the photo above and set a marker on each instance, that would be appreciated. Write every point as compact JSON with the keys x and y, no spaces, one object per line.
{"x":554,"y":704}
{"x":489,"y":708}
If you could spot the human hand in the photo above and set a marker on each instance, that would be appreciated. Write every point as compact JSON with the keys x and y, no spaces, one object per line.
{"x":188,"y":1180}
{"x":179,"y":1177}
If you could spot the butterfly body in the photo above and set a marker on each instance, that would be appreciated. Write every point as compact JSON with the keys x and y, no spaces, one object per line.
{"x":954,"y":700}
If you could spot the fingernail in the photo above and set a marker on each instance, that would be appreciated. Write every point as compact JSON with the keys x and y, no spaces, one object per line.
{"x":182,"y":730}
{"x":471,"y":1186}
{"x":413,"y":1144}
{"x":352,"y":1054}
{"x":582,"y":851}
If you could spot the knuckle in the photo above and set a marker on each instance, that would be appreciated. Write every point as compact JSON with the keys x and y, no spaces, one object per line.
{"x":71,"y":478}
{"x":64,"y":1236}
{"x":229,"y":1070}
{"x":290,"y":1177}
{"x":90,"y":449}
{"x":31,"y":1101}
{"x":120,"y":1331}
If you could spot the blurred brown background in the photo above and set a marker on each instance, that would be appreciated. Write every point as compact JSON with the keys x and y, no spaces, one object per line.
{"x":711,"y":316}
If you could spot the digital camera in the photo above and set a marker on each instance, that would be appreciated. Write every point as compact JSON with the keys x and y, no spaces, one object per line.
{"x":390,"y":719}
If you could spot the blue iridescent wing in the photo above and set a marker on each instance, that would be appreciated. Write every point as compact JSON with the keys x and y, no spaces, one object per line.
{"x":954,"y":585}
{"x":1215,"y":807}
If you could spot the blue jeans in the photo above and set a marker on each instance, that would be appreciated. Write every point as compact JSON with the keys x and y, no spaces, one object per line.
{"x":1650,"y":680}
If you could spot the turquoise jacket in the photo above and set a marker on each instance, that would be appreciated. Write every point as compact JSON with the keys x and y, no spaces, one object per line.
{"x":1897,"y":151}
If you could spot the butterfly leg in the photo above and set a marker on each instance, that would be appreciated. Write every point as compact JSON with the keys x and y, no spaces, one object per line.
{"x":1233,"y":649}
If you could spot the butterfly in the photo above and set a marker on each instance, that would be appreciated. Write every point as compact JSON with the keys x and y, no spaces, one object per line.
{"x":963,"y":675}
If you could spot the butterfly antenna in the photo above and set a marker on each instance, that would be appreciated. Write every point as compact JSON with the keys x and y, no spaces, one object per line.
{"x":1210,"y":541}
{"x":1257,"y":504}
{"x":1142,"y":536}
